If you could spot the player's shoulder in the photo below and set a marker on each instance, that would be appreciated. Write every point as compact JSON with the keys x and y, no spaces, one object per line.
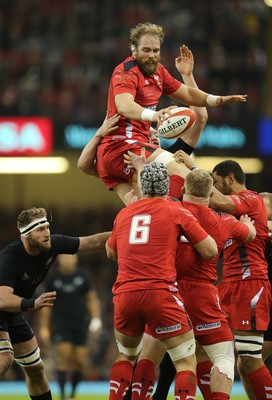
{"x":129,"y":64}
{"x":13,"y":249}
{"x":178,"y":207}
{"x":59,"y":241}
{"x":247,"y":195}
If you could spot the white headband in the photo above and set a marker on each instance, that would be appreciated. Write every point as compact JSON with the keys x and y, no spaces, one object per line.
{"x":33,"y":225}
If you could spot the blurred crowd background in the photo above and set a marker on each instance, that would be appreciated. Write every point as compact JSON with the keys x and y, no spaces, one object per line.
{"x":56,"y":58}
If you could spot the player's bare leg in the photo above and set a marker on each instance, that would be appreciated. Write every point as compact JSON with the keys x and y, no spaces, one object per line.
{"x":25,"y":354}
{"x":6,"y":353}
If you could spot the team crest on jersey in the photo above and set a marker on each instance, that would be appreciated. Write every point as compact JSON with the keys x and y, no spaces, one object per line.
{"x":206,"y":327}
{"x":157,"y":79}
{"x":126,"y":170}
{"x":164,"y":329}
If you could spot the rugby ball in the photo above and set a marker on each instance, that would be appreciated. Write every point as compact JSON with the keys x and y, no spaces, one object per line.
{"x":178,"y":122}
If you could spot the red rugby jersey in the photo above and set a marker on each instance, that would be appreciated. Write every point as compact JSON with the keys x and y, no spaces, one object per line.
{"x":222,"y":227}
{"x":145,"y":237}
{"x":146,"y":91}
{"x":248,"y":261}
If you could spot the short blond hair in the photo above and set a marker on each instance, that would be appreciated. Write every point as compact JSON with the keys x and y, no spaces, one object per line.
{"x":198,"y":183}
{"x":29,"y":215}
{"x":146,"y":28}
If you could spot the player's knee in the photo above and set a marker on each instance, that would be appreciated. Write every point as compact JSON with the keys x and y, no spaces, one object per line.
{"x":6,"y":355}
{"x":222,"y":357}
{"x":30,"y":359}
{"x":183,"y":350}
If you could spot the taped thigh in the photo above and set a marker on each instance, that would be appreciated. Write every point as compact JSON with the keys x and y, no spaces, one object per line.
{"x":29,"y":359}
{"x":222,"y":357}
{"x":183,"y":350}
{"x":250,"y":346}
{"x":130,"y":351}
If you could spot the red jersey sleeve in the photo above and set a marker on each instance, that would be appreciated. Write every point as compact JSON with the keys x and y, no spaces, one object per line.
{"x":112,"y":239}
{"x":239,"y":231}
{"x":245,"y":202}
{"x":124,"y":82}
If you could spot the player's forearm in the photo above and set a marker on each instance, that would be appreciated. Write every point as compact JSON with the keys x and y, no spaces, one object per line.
{"x":10,"y":303}
{"x":86,"y":161}
{"x":130,"y":110}
{"x":190,"y":96}
{"x":94,"y":307}
{"x":221,"y":202}
{"x":201,"y":112}
{"x":93,"y":243}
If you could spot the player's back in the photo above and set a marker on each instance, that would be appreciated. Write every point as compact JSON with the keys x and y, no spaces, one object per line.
{"x":190,"y":264}
{"x":146,"y":235}
{"x":247,"y":261}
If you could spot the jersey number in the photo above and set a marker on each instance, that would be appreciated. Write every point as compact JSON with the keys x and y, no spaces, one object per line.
{"x":139,"y":229}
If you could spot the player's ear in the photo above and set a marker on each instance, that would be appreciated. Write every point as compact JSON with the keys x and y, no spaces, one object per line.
{"x":133,"y":48}
{"x":182,"y":190}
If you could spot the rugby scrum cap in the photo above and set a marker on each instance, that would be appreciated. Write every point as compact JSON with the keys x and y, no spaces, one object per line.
{"x":155,"y":179}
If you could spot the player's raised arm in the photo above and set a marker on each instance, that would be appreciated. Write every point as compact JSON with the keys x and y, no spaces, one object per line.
{"x":87,"y":159}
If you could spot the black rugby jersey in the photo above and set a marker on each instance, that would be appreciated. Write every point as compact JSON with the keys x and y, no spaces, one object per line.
{"x":24,"y":272}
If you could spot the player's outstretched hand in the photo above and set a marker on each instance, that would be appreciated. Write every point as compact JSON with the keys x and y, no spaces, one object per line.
{"x":185,"y":61}
{"x":182,"y":157}
{"x":134,"y":161}
{"x":108,"y":125}
{"x":231,"y":99}
{"x":130,"y":197}
{"x":162,"y":114}
{"x":45,"y":300}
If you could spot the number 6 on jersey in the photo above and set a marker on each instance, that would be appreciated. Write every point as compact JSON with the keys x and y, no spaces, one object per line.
{"x":139,"y":229}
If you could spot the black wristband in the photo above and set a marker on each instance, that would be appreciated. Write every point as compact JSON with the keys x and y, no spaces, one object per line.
{"x":26,"y":304}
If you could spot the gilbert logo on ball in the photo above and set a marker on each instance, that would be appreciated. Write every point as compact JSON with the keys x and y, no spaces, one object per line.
{"x":179,"y":121}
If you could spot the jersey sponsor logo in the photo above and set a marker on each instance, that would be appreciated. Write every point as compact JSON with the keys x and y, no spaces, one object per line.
{"x":228,"y":243}
{"x":164,"y":329}
{"x":206,"y":327}
{"x":25,"y":277}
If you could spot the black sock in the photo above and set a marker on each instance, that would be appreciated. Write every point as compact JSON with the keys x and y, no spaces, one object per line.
{"x":129,"y":393}
{"x":76,"y":377}
{"x":62,"y":378}
{"x":166,"y":377}
{"x":45,"y":396}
